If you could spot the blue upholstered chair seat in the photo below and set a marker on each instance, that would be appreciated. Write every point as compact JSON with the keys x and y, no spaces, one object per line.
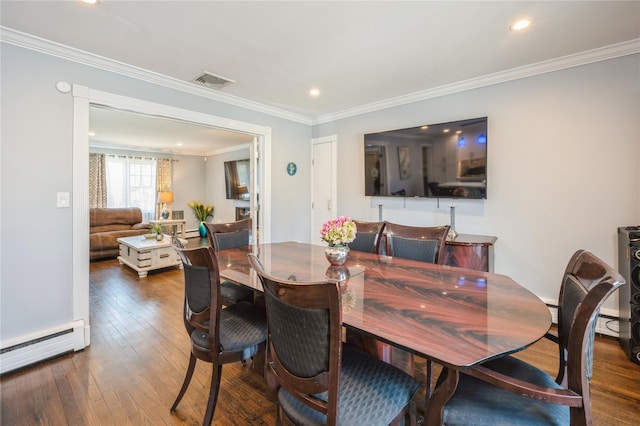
{"x":479,"y":403}
{"x":242,"y":325}
{"x":371,"y":391}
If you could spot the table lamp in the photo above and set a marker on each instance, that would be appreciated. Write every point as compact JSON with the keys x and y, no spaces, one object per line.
{"x":164,"y":198}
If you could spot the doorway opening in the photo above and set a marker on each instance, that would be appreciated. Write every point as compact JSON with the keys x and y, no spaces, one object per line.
{"x":83,"y":98}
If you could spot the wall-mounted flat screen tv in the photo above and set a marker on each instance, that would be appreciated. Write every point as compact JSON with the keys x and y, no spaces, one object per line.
{"x":445,"y":160}
{"x":236,"y":179}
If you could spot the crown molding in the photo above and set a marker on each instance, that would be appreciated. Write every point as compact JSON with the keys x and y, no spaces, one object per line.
{"x":38,"y":44}
{"x":48,"y":47}
{"x":630,"y":47}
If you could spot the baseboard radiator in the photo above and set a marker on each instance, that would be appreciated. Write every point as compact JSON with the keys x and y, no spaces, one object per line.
{"x":26,"y":350}
{"x":607,"y":321}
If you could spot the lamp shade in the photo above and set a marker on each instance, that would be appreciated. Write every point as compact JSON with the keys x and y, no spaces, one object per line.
{"x":165,"y":197}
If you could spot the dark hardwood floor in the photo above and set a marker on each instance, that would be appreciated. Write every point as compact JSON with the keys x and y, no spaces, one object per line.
{"x":133,"y":369}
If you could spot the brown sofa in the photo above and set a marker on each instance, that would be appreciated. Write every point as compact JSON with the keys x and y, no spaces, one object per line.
{"x":107,"y":225}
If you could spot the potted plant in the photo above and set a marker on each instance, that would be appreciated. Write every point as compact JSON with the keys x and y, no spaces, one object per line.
{"x":156,"y":228}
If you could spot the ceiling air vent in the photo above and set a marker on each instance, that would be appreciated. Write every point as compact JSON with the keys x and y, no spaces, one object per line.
{"x":212,"y":81}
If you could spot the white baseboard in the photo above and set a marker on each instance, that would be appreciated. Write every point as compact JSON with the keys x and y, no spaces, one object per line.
{"x":192,"y":233}
{"x":26,"y":350}
{"x":608,"y":323}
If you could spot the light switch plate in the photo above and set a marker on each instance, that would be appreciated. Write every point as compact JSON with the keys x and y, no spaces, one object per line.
{"x":63,"y":199}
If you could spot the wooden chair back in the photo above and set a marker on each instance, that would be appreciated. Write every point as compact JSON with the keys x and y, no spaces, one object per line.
{"x":368,"y":236}
{"x":304,"y":343}
{"x":423,"y":243}
{"x":214,"y":228}
{"x":587,"y":283}
{"x":202,"y":299}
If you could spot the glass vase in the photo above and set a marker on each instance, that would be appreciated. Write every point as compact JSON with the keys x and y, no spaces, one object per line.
{"x":202,"y":230}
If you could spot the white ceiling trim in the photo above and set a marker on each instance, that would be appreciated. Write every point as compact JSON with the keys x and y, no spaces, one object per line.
{"x":601,"y":54}
{"x":28,"y":41}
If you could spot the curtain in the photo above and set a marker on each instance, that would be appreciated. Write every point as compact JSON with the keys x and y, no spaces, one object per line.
{"x":97,"y":181}
{"x":163,"y":179}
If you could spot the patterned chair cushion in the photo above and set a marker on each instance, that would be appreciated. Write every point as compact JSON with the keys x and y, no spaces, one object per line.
{"x":235,"y":293}
{"x":225,"y":240}
{"x":414,"y":249}
{"x":371,"y":393}
{"x":241,"y":325}
{"x":478,"y":403}
{"x":363,"y":242}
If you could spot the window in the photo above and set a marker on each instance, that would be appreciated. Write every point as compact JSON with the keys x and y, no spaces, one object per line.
{"x":131,"y":182}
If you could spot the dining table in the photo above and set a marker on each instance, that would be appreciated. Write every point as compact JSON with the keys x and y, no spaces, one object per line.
{"x":451,"y":316}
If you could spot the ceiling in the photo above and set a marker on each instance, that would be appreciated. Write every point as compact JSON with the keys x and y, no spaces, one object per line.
{"x":125,"y":130}
{"x":357,"y":53}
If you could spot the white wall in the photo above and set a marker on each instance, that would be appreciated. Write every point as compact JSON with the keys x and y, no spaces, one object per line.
{"x":563,"y":167}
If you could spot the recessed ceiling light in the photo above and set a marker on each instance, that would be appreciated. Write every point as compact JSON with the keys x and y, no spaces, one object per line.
{"x":520,"y":25}
{"x":424,"y":127}
{"x":446,"y":131}
{"x":90,"y":1}
{"x":314,"y":92}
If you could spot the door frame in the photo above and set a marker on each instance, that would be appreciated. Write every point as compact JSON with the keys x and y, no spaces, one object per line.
{"x":83,"y":98}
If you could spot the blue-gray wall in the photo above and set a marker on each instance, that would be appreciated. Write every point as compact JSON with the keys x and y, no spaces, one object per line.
{"x":36,"y":163}
{"x":563,"y":167}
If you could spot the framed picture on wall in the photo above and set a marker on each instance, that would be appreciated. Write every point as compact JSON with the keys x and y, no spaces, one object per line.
{"x":404,"y":162}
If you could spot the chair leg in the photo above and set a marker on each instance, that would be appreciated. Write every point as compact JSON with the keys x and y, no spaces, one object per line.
{"x":216,"y":375}
{"x":187,"y":380}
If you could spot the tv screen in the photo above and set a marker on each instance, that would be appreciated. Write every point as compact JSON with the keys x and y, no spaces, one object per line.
{"x":445,"y":160}
{"x":236,"y":177}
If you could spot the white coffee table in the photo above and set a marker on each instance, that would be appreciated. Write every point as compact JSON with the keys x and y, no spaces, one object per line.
{"x":144,"y":255}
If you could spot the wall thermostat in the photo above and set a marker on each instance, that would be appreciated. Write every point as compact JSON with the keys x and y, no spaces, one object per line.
{"x":292,"y":168}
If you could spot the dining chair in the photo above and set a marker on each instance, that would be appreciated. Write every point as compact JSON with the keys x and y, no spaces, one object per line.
{"x":423,"y":243}
{"x":218,"y":336}
{"x":316,"y":378}
{"x":239,"y":225}
{"x":230,"y":235}
{"x":368,"y":236}
{"x":510,"y":391}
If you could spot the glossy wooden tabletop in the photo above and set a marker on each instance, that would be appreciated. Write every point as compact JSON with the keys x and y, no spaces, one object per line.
{"x":455,"y":317}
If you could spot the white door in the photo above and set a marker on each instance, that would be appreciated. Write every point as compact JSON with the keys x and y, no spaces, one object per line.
{"x":323,"y":184}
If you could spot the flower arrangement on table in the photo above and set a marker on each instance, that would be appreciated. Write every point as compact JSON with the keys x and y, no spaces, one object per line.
{"x":202,"y":211}
{"x":339,"y":232}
